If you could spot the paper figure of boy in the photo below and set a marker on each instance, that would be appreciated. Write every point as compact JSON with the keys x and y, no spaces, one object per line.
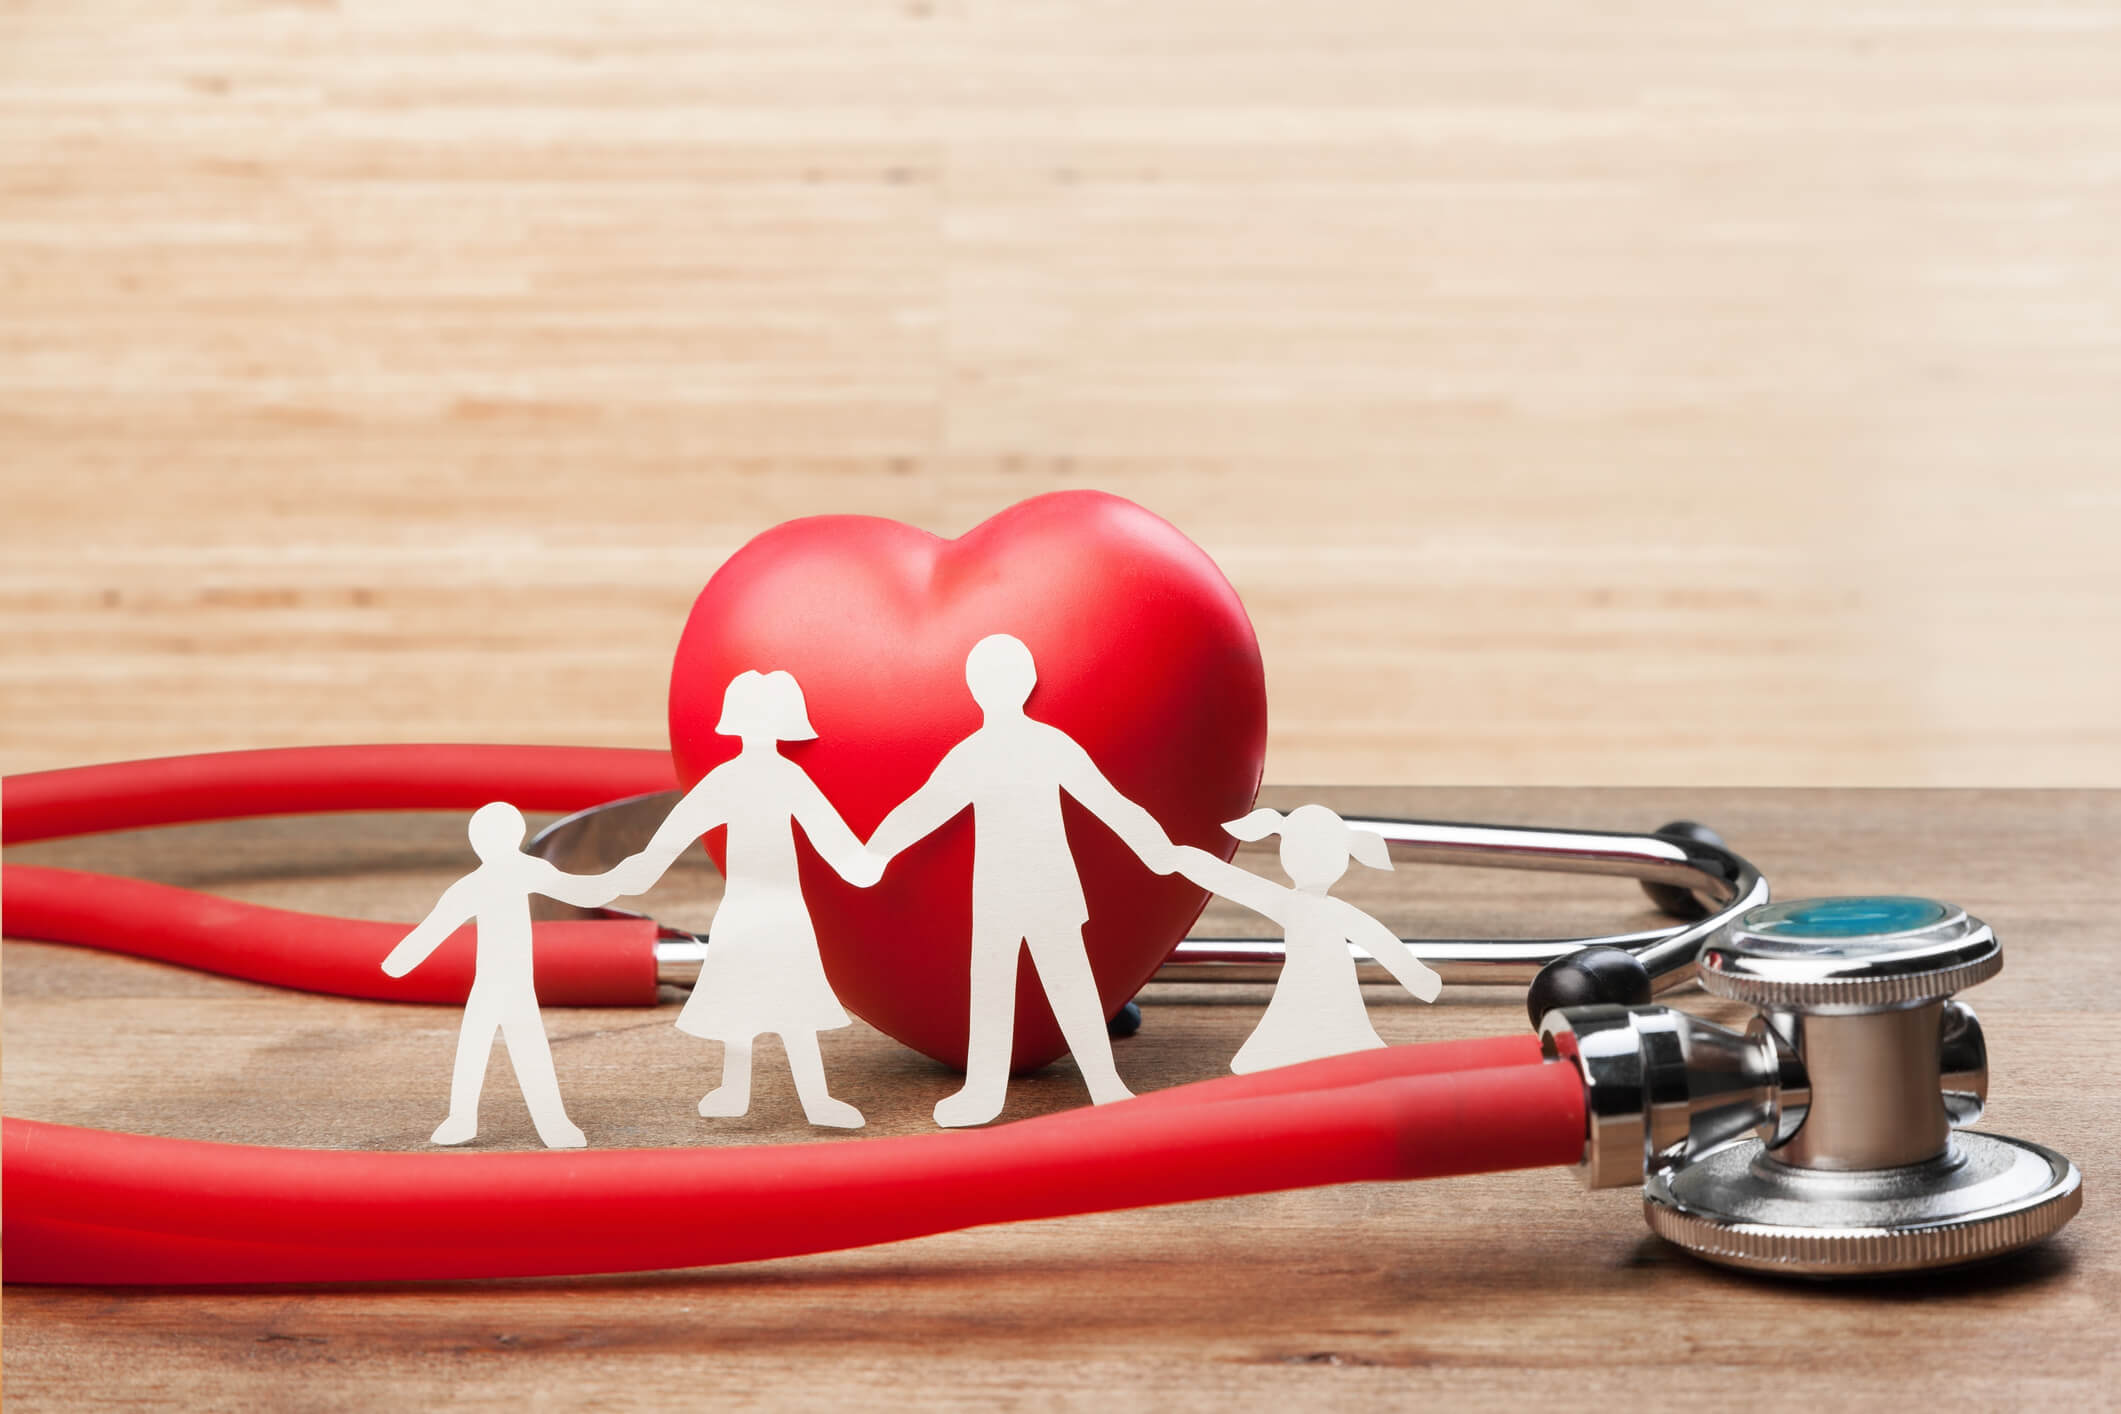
{"x":503,"y":997}
{"x":762,"y":970}
{"x":1317,"y":1007}
{"x":1025,"y":889}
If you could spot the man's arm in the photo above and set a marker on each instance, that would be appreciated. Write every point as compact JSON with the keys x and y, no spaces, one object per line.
{"x":926,"y":810}
{"x":451,"y":912}
{"x":1383,"y":944}
{"x":1240,"y":886}
{"x":1134,"y":825}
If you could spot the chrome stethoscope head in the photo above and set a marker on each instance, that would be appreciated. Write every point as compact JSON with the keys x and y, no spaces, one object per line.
{"x":1823,"y":1140}
{"x":1685,"y":868}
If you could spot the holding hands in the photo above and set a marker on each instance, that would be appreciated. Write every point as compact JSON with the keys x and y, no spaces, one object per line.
{"x":635,"y":874}
{"x":638,"y":873}
{"x":764,"y":973}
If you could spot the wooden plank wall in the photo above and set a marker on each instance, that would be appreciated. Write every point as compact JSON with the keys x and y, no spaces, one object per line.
{"x":1674,"y":393}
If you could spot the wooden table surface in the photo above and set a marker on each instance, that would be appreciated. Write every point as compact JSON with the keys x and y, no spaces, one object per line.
{"x":1489,"y":1292}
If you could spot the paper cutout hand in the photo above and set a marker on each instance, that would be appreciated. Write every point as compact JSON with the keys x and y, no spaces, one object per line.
{"x":1226,"y":880}
{"x":1162,"y":859}
{"x":403,"y":960}
{"x":635,"y":874}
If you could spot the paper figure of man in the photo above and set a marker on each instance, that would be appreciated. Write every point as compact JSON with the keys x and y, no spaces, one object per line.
{"x":1317,"y":1007}
{"x":1025,"y":889}
{"x":762,"y":971}
{"x":503,"y":996}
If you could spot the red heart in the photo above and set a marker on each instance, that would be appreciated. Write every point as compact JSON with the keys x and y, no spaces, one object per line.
{"x":1144,"y":656}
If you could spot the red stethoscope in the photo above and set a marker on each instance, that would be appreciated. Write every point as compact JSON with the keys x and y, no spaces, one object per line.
{"x":1625,"y":1092}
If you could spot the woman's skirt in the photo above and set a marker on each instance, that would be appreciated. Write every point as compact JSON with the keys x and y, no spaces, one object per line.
{"x":761,"y":976}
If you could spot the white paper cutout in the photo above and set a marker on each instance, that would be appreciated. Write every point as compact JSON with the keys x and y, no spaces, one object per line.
{"x":762,"y":972}
{"x":1317,"y":1007}
{"x":503,"y":997}
{"x":1025,"y":889}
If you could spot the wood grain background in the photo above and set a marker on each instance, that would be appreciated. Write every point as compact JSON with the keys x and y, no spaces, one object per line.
{"x":1674,"y":392}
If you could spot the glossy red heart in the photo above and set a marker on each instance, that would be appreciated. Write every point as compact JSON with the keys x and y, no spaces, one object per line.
{"x":1144,"y":655}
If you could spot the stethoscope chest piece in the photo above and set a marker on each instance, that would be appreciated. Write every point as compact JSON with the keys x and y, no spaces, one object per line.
{"x":1857,"y":1071}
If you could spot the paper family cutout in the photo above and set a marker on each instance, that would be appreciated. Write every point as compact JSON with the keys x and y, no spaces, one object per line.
{"x":496,"y":896}
{"x":763,"y":972}
{"x":1317,"y":1007}
{"x":1025,"y":890}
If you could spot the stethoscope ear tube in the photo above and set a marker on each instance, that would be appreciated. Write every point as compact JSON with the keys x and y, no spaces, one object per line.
{"x":1680,"y":865}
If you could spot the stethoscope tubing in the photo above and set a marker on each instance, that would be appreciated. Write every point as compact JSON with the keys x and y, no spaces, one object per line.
{"x":603,"y":963}
{"x":609,"y":962}
{"x":306,"y":780}
{"x":85,"y":1206}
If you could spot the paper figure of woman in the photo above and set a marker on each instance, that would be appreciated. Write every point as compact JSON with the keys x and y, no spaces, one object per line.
{"x":762,"y":971}
{"x":1317,"y":1007}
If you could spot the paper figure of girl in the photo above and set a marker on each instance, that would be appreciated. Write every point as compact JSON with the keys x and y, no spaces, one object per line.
{"x":762,"y":971}
{"x":503,"y":998}
{"x":1317,"y":1007}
